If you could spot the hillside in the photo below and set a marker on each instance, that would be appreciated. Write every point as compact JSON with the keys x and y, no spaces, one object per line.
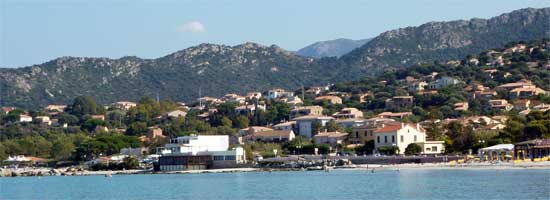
{"x":449,"y":40}
{"x":330,"y":48}
{"x":221,"y":69}
{"x":217,"y":69}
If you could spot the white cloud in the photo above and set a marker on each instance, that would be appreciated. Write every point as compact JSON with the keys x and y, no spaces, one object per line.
{"x":192,"y":27}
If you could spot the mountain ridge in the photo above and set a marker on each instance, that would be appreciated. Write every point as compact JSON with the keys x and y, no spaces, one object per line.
{"x":219,"y":69}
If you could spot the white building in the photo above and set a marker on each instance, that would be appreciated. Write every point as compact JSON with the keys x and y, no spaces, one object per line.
{"x":401,"y":135}
{"x":443,"y":82}
{"x":194,"y":144}
{"x":199,"y":152}
{"x":277,"y":93}
{"x":25,"y":118}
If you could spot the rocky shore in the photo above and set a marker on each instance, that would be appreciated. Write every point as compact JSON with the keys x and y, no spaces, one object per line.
{"x":75,"y":171}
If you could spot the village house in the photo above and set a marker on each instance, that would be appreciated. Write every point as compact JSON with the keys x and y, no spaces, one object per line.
{"x":492,"y":127}
{"x":124,"y":105}
{"x":254,"y":95}
{"x":522,"y":104}
{"x":501,"y":104}
{"x":483,"y":94}
{"x":330,"y":98}
{"x":417,"y":86}
{"x":306,"y":110}
{"x":210,"y":100}
{"x":348,"y":113}
{"x":153,"y":133}
{"x":363,"y":134}
{"x":400,"y":115}
{"x":523,"y":83}
{"x":275,"y":136}
{"x":43,"y":120}
{"x":99,"y":117}
{"x":541,"y":107}
{"x":285,"y":126}
{"x":175,"y":114}
{"x":7,"y":109}
{"x":292,"y":100}
{"x":248,"y":109}
{"x":443,"y":82}
{"x":490,"y":72}
{"x":401,"y":135}
{"x":307,"y":124}
{"x":349,"y":123}
{"x":233,"y":98}
{"x":253,"y":129}
{"x":25,"y":118}
{"x":315,"y":90}
{"x":526,"y":92}
{"x":397,"y":102}
{"x":331,"y":138}
{"x":461,"y":106}
{"x":278,"y":93}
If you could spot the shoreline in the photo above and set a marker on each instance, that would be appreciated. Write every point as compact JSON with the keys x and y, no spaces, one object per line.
{"x":362,"y":167}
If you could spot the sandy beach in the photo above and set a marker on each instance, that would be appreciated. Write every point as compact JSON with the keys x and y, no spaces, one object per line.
{"x":473,"y":166}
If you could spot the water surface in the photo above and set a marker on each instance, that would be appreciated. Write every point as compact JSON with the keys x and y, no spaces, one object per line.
{"x":338,"y":184}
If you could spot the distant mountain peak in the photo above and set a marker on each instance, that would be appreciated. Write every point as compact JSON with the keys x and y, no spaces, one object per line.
{"x":330,"y":48}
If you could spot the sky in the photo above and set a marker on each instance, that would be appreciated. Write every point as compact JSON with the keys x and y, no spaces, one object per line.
{"x":36,"y":31}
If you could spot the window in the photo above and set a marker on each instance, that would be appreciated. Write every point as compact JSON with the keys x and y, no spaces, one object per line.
{"x":434,"y":148}
{"x":230,"y":157}
{"x":415,"y":138}
{"x":365,"y":133}
{"x":392,"y":139}
{"x":218,"y":157}
{"x":356,"y":134}
{"x":402,"y":139}
{"x":385,"y":139}
{"x":378,"y":139}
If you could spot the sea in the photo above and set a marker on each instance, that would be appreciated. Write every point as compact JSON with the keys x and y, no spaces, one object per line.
{"x":337,"y":184}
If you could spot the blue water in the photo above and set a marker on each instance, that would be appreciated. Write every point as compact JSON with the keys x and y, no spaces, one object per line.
{"x":338,"y":184}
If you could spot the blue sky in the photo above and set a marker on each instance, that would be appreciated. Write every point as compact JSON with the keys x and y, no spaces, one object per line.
{"x":35,"y":31}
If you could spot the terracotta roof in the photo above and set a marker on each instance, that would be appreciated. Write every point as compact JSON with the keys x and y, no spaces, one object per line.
{"x":388,"y":128}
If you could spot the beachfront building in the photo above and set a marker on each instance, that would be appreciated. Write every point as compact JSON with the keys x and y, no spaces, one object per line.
{"x":532,"y":149}
{"x":330,"y":138}
{"x":363,"y":134}
{"x":399,"y":136}
{"x":497,"y":152}
{"x":199,"y":152}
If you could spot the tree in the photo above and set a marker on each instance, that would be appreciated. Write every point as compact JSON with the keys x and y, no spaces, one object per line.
{"x":91,"y":124}
{"x":84,"y":105}
{"x":226,"y":122}
{"x":413,"y":149}
{"x":137,"y":129}
{"x":130,"y":162}
{"x":62,"y":149}
{"x":241,"y":122}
